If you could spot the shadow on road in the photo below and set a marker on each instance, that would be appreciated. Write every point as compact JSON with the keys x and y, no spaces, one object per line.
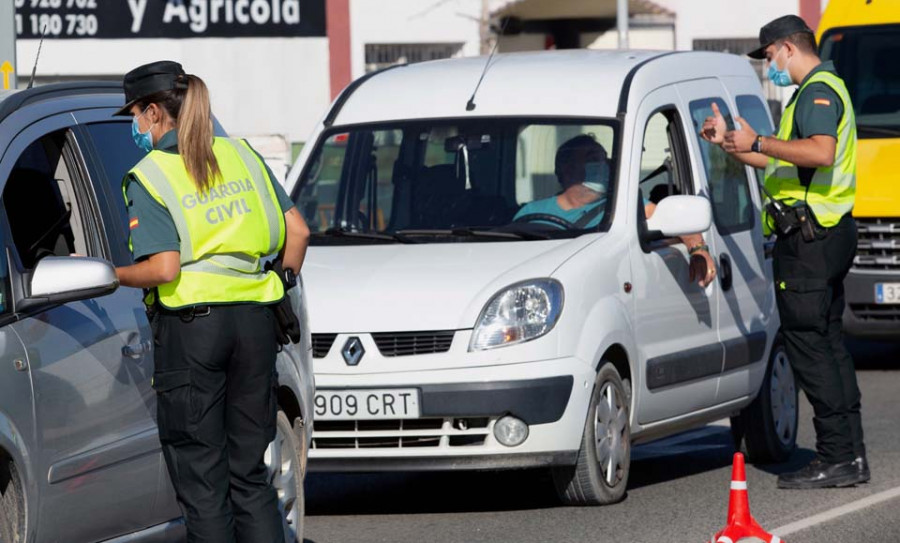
{"x":433,"y":492}
{"x":874,"y":355}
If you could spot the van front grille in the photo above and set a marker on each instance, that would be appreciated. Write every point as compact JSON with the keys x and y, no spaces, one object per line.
{"x":401,"y":434}
{"x":879,"y":245}
{"x":413,"y":343}
{"x":321,"y":344}
{"x":876,"y":312}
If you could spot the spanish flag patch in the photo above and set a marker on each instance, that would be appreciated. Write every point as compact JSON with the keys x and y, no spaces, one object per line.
{"x":822,"y":101}
{"x":133,"y":223}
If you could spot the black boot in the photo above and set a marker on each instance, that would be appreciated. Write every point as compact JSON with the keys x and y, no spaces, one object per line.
{"x":862,"y":469}
{"x":818,"y":474}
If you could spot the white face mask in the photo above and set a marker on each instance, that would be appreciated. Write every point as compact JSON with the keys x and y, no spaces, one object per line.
{"x":596,"y":176}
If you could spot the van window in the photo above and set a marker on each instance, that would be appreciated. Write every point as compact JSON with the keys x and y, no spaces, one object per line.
{"x":866,"y":58}
{"x":753,"y":111}
{"x":456,"y":180}
{"x":661,"y":174}
{"x":46,"y":216}
{"x":729,"y":189}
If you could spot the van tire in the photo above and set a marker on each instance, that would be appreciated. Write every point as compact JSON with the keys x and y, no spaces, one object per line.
{"x":591,"y":481}
{"x":12,"y":503}
{"x":768,"y":425}
{"x":284,"y":459}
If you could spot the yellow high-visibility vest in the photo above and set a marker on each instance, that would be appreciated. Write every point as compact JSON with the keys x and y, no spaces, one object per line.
{"x":832,"y":190}
{"x":223,"y":232}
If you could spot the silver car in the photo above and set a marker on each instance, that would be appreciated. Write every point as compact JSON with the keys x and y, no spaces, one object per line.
{"x":80,"y":459}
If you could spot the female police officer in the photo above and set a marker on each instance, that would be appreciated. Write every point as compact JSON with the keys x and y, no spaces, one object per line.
{"x":203,"y":210}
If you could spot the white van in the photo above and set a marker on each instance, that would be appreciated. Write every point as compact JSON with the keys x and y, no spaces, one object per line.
{"x":455,"y":328}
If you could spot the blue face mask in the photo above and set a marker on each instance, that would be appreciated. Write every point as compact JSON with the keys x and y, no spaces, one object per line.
{"x":144,"y":140}
{"x":780,"y":78}
{"x":596,"y":176}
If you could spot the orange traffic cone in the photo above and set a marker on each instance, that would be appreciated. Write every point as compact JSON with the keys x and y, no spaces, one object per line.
{"x":740,"y":523}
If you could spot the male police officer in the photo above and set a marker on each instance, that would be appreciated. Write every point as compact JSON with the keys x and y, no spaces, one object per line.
{"x":811,"y":174}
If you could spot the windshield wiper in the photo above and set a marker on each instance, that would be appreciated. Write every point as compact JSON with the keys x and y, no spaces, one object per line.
{"x":878,"y":130}
{"x":475,"y":233}
{"x":338,"y":232}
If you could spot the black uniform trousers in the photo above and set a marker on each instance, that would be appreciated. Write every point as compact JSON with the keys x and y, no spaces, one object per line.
{"x":215,"y":382}
{"x":809,"y":290}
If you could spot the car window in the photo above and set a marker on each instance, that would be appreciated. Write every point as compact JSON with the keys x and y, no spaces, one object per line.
{"x":659,"y":174}
{"x":752,"y":109}
{"x":46,"y":213}
{"x":453,"y":175}
{"x":5,"y":303}
{"x":117,"y":154}
{"x":729,"y":189}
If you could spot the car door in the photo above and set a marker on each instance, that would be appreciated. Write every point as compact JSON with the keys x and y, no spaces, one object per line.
{"x":90,"y":361}
{"x":675,"y":319}
{"x":109,"y":154}
{"x":738,"y":241}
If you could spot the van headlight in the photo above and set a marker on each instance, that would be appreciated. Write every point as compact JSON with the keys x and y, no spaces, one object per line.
{"x":520,"y":313}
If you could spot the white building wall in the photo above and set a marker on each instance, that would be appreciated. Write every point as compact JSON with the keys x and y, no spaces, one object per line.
{"x":709,"y":19}
{"x":259,"y":86}
{"x":413,"y":21}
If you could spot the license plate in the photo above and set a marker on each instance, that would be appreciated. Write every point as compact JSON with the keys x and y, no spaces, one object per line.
{"x":393,"y":403}
{"x":887,"y":293}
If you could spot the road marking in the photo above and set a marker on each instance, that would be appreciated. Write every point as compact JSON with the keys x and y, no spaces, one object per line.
{"x":832,"y":514}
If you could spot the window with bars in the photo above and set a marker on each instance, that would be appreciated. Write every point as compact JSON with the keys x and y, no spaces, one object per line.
{"x":381,"y":55}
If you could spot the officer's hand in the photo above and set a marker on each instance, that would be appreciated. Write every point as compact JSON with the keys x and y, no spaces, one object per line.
{"x":739,"y":141}
{"x":703,"y":269}
{"x":714,"y":127}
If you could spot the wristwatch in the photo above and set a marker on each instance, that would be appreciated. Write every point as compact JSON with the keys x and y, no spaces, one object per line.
{"x":290,"y":278}
{"x":757,"y":145}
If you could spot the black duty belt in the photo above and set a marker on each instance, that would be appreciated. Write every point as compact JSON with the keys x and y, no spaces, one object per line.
{"x":186,"y":314}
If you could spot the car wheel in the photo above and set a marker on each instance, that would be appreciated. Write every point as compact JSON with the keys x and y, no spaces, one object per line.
{"x":284,"y":460}
{"x":769,"y":424}
{"x":12,"y":503}
{"x":600,"y":474}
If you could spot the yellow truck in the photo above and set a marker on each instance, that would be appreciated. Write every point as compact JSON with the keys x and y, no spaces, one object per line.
{"x":862,"y":37}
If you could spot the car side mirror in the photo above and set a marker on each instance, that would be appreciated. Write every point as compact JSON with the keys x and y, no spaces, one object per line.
{"x":63,"y":279}
{"x":679,"y":215}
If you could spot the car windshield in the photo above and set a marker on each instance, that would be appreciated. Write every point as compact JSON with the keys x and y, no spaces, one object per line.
{"x":496,"y":179}
{"x":866,"y":57}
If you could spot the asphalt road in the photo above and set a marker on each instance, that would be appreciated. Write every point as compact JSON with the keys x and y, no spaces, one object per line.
{"x":678,"y":491}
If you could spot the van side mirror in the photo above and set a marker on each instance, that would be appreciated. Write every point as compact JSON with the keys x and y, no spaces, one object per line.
{"x":679,"y":215}
{"x":63,"y":279}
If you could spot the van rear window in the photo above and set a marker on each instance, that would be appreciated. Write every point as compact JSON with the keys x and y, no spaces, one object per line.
{"x":866,"y":58}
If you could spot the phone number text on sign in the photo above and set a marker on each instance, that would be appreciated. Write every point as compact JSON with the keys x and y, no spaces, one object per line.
{"x":120,"y":19}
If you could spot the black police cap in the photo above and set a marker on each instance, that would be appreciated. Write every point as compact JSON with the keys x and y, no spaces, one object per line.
{"x":149,"y":79}
{"x":778,"y":29}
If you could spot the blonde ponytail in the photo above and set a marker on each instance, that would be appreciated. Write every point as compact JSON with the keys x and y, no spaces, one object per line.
{"x":195,"y":135}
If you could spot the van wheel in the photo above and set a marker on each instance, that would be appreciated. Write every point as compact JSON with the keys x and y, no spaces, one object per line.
{"x":769,"y":424}
{"x":600,"y":474}
{"x":284,"y":460}
{"x":12,"y":503}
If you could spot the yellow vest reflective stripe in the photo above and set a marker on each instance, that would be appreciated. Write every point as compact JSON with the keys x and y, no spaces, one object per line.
{"x":832,"y":190}
{"x":223,"y":232}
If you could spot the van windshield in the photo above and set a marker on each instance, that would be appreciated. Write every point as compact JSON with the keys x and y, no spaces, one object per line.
{"x":866,"y":58}
{"x":496,"y":179}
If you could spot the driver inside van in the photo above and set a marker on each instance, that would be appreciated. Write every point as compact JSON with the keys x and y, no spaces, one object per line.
{"x":583,"y":168}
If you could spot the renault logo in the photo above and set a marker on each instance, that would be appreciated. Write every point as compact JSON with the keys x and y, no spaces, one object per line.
{"x":353,"y":351}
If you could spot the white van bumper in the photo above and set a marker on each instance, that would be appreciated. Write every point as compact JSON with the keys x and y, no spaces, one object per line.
{"x":459,"y":408}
